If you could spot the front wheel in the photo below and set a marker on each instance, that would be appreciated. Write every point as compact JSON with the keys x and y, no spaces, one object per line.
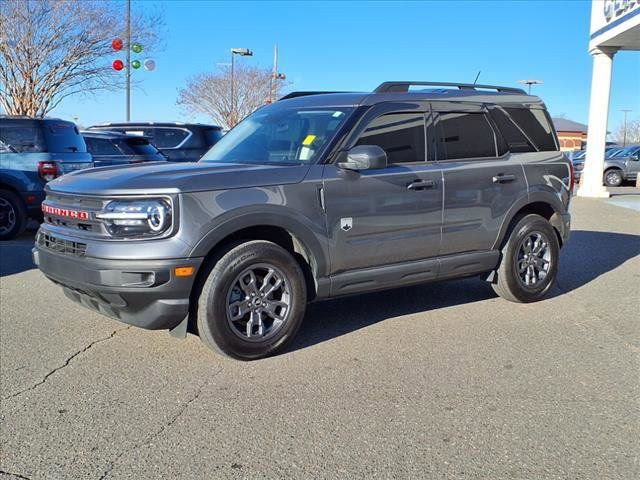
{"x":529,"y":263}
{"x":253,"y":301}
{"x":613,"y":178}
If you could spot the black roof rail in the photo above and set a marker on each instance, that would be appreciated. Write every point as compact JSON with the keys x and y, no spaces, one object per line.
{"x":402,"y":87}
{"x":304,"y":94}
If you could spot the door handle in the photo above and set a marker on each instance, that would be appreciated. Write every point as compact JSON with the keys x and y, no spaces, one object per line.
{"x":421,"y":184}
{"x":502,"y":178}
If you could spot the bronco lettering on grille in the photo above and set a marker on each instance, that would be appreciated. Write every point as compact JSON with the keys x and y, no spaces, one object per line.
{"x":65,"y":212}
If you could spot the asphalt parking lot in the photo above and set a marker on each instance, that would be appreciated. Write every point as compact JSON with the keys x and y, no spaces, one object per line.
{"x":436,"y":381}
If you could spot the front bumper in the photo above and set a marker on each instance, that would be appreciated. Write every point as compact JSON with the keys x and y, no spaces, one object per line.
{"x":144,"y":293}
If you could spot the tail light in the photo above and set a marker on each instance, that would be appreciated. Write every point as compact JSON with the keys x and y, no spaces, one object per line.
{"x":47,"y":170}
{"x":571,"y":177}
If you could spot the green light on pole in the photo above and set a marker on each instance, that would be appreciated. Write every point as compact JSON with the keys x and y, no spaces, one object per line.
{"x":136,"y":47}
{"x":135,"y":64}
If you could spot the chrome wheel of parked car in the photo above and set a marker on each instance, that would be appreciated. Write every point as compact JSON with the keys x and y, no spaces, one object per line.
{"x":534,"y":259}
{"x":258,"y":302}
{"x":613,"y":178}
{"x":13,"y":217}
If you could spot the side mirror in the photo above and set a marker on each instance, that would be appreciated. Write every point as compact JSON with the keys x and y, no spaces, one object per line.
{"x":365,"y":157}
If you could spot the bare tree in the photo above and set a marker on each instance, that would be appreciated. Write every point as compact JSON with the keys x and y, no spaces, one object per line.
{"x":633,"y":132}
{"x":210,"y":93}
{"x":52,"y":49}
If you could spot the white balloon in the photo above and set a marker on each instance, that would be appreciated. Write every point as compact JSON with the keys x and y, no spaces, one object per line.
{"x":149,"y":64}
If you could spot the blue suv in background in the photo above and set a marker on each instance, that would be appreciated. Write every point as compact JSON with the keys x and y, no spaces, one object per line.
{"x":34,"y":151}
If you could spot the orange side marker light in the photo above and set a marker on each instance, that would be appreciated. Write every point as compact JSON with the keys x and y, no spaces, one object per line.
{"x":184,"y":271}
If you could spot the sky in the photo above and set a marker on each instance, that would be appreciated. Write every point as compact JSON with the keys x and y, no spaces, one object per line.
{"x":354,"y":46}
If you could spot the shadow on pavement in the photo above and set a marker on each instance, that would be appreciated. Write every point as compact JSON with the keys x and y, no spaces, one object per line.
{"x":588,"y":255}
{"x":15,"y":255}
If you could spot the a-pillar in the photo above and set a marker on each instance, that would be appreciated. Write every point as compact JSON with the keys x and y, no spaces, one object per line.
{"x":591,"y":179}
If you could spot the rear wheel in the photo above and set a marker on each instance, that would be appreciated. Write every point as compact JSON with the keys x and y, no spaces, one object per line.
{"x":252,"y":302}
{"x":613,"y":178}
{"x":13,"y":215}
{"x":529,"y":263}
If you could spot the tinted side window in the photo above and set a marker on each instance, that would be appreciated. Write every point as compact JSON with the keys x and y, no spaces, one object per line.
{"x":62,"y":137}
{"x":465,"y":135}
{"x":516,"y":141}
{"x":168,"y":137}
{"x":401,"y":135}
{"x":535,"y":123}
{"x":23,"y":137}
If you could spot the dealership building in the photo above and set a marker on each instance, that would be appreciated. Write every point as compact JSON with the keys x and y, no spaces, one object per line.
{"x":615,"y":26}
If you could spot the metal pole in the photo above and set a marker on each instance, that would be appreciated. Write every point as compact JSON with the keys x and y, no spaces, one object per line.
{"x":233,"y":98}
{"x":624,"y":135}
{"x":128,"y":47}
{"x":275,"y":72}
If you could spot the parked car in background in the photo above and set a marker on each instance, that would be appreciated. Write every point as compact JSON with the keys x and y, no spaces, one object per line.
{"x":179,"y":142}
{"x":620,"y":165}
{"x":116,"y":148}
{"x":33,"y":152}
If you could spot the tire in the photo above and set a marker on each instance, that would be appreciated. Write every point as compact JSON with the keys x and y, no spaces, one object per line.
{"x":613,"y":177}
{"x":512,"y":278}
{"x":13,"y":215}
{"x":230,"y":282}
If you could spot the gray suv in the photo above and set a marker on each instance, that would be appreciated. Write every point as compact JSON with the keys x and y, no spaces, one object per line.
{"x":312,"y":197}
{"x":621,"y":165}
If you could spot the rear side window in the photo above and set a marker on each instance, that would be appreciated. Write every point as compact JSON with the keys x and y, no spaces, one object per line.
{"x":62,"y":137}
{"x":22,"y":137}
{"x":516,"y":141}
{"x":169,"y":137}
{"x":401,"y":135}
{"x":536,"y":124}
{"x":101,"y":146}
{"x":464,"y":135}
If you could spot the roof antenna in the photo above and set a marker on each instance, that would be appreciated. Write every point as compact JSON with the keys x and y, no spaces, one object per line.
{"x":477,"y":76}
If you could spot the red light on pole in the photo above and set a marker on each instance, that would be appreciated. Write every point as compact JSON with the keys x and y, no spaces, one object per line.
{"x":117,"y":44}
{"x":117,"y":65}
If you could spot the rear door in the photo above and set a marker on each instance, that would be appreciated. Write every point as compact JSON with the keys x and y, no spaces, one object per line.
{"x":481,"y":180}
{"x":391,"y":215}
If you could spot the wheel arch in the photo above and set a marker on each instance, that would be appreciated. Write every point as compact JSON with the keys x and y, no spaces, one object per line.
{"x":544,"y":204}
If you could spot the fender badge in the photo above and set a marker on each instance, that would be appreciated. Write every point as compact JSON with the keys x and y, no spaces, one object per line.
{"x":346,"y":223}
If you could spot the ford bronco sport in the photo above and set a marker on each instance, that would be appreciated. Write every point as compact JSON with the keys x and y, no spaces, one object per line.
{"x":317,"y":196}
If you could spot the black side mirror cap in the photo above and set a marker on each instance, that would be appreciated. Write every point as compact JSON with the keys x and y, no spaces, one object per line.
{"x":365,"y":157}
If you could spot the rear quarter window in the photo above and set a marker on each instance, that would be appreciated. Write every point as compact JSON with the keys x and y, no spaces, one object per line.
{"x":22,"y":137}
{"x":536,"y":124}
{"x":169,"y":137}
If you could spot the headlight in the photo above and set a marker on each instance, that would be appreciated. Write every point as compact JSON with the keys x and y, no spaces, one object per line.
{"x":137,"y":218}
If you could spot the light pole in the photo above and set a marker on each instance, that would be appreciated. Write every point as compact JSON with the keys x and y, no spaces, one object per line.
{"x":531,"y":82}
{"x":243,"y":52}
{"x":128,"y":47}
{"x":275,"y":76}
{"x":624,"y":135}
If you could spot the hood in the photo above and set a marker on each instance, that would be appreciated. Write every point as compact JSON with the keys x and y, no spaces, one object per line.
{"x":163,"y":177}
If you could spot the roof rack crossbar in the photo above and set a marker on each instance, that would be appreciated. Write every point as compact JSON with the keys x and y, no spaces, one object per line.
{"x":402,"y":87}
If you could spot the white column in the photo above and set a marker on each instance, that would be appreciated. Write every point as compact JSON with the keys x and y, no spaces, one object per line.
{"x":591,"y":180}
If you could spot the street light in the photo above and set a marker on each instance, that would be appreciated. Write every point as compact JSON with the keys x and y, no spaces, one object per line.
{"x":530,"y":82}
{"x":625,"y":110}
{"x":243,"y":52}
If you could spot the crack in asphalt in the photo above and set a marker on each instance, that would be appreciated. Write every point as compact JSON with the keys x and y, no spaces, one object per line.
{"x":16,"y":475}
{"x":65,"y":364}
{"x":153,"y":435}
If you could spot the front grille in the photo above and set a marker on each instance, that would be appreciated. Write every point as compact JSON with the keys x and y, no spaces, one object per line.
{"x":75,"y":203}
{"x":59,"y":245}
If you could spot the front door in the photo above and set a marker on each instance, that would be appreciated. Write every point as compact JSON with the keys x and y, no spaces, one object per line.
{"x":386,"y":216}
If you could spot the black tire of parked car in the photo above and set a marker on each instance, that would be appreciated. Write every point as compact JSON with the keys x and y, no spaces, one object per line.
{"x":215,"y":328}
{"x":509,"y":284}
{"x":13,"y":215}
{"x":613,"y":177}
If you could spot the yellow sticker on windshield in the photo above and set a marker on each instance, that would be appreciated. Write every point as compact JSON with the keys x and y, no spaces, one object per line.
{"x":309,"y":140}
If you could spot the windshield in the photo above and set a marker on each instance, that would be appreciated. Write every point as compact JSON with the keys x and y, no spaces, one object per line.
{"x":626,"y":152}
{"x":275,"y":135}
